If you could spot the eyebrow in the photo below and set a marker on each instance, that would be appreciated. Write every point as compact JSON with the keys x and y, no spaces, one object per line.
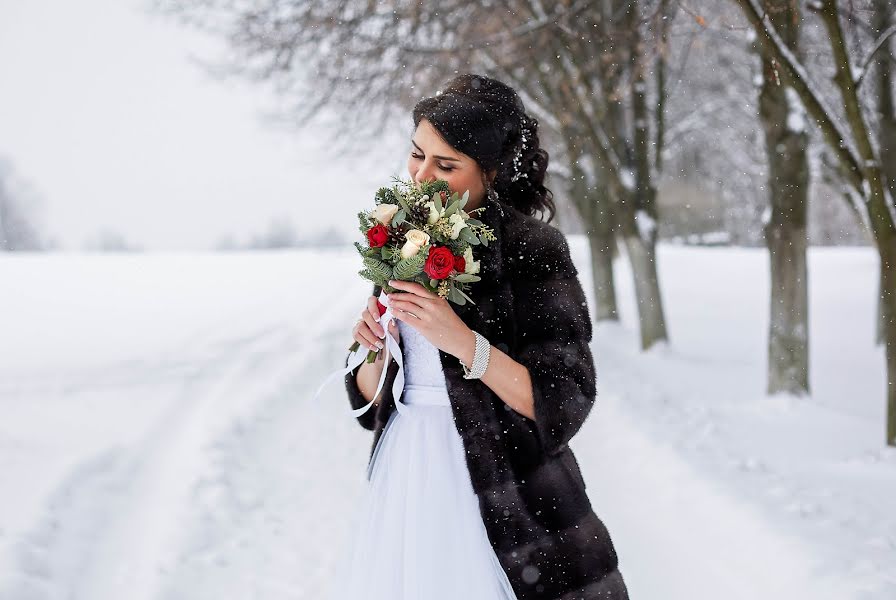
{"x":439,"y":157}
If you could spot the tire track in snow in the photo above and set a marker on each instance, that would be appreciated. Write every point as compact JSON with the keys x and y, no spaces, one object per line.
{"x":271,"y":515}
{"x":109,"y":527}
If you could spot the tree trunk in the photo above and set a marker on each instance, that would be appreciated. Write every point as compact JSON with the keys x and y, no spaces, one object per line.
{"x":786,"y":141}
{"x":638,"y":209}
{"x":647,"y":289}
{"x":597,"y":217}
{"x":886,"y":109}
{"x":887,"y":252}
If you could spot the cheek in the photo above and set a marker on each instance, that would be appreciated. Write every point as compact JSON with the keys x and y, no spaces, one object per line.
{"x":462,"y":183}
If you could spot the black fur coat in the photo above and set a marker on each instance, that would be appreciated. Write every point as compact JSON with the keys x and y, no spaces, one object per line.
{"x":532,"y":497}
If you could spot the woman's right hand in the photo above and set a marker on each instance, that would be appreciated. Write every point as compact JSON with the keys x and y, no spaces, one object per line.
{"x":368,"y":332}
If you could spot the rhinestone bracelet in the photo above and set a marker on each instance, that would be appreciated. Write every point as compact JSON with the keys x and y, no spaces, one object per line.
{"x":480,"y":358}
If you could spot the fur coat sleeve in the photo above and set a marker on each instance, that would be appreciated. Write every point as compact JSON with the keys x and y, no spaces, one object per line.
{"x":555,"y":332}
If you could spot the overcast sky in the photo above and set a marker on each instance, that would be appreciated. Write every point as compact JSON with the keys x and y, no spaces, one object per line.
{"x":103,"y":112}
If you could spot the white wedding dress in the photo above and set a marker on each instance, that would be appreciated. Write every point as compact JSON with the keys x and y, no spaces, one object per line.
{"x":419,"y":534}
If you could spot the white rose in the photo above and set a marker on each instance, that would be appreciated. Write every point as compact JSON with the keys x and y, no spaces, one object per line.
{"x":433,"y":213}
{"x":457,"y":223}
{"x":385,"y":212}
{"x":470,"y":266}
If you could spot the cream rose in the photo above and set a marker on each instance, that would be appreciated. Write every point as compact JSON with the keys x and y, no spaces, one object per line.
{"x":416,"y":239}
{"x":421,"y":238}
{"x":385,"y":212}
{"x":470,"y":267}
{"x":409,"y":249}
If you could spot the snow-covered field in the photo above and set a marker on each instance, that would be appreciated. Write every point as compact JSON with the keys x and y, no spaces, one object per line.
{"x":157,"y":438}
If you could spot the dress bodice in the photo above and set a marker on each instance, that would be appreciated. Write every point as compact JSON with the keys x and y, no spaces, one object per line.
{"x":422,"y":365}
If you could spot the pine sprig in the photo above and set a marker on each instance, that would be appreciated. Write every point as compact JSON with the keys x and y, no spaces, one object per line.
{"x":410,"y":267}
{"x":382,"y":270}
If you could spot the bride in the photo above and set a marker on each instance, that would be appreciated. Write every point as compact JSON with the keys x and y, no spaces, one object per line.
{"x":472,"y":491}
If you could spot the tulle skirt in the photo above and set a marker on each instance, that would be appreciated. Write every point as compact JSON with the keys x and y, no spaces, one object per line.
{"x":419,"y":534}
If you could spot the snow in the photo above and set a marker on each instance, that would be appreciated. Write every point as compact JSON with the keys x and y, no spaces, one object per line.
{"x":646,"y":225}
{"x":796,"y":113}
{"x":158,"y":442}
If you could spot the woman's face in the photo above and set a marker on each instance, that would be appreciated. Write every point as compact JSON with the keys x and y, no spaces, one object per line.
{"x":432,"y":158}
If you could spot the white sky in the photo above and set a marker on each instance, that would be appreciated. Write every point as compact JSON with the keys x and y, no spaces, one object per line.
{"x":103,"y":112}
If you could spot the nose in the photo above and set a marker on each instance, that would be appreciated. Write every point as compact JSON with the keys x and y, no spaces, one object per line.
{"x":424,"y":173}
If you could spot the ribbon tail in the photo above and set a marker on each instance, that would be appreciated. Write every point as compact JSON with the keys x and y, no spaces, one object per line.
{"x":358,"y":356}
{"x":354,"y":359}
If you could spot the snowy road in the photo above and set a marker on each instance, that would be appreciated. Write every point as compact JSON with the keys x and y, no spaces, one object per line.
{"x":205,"y":472}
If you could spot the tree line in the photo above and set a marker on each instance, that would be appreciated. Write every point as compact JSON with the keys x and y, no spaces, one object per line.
{"x":796,"y":95}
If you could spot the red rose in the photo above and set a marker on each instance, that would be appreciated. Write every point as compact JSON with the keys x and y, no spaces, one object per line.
{"x":378,"y":235}
{"x":439,"y":263}
{"x":380,"y":307}
{"x":460,"y":263}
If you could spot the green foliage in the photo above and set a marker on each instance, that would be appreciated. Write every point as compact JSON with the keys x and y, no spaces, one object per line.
{"x":408,"y":268}
{"x":457,"y":246}
{"x":467,"y":235}
{"x":432,"y":188}
{"x":372,"y":276}
{"x":385,"y":195}
{"x":452,"y":208}
{"x":367,"y":251}
{"x":456,"y":296}
{"x":383,"y":271}
{"x":363,"y":222}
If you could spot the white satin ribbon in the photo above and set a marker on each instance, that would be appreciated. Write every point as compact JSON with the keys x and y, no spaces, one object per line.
{"x":358,"y":356}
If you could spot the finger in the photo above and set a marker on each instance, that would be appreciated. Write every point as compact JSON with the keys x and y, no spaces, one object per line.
{"x":366,"y":337}
{"x":413,"y":287}
{"x":374,"y":312}
{"x":408,"y":307}
{"x":411,"y":299}
{"x":374,"y":327}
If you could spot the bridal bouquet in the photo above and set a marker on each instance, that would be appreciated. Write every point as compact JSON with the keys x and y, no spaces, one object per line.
{"x":421,"y":234}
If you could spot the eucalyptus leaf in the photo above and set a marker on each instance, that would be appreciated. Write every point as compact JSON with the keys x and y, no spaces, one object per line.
{"x":467,"y":278}
{"x":461,"y":292}
{"x":456,"y":296}
{"x":452,"y":208}
{"x":467,"y":235}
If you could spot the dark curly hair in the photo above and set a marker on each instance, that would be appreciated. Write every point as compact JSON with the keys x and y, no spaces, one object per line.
{"x":485,"y":119}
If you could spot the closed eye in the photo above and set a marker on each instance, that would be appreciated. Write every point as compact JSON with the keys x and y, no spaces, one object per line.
{"x":444,"y":168}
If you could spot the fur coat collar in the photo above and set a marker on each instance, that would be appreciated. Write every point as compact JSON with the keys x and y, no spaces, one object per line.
{"x":532,"y":497}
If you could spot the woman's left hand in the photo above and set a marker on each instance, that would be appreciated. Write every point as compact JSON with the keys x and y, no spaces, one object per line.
{"x":435,"y":318}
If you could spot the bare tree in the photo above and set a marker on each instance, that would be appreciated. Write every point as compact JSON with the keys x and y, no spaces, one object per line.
{"x":786,"y":139}
{"x":855,"y":144}
{"x":371,"y":61}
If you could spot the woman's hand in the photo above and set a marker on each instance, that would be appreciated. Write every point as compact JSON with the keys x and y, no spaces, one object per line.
{"x":368,"y":332}
{"x":433,"y":317}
